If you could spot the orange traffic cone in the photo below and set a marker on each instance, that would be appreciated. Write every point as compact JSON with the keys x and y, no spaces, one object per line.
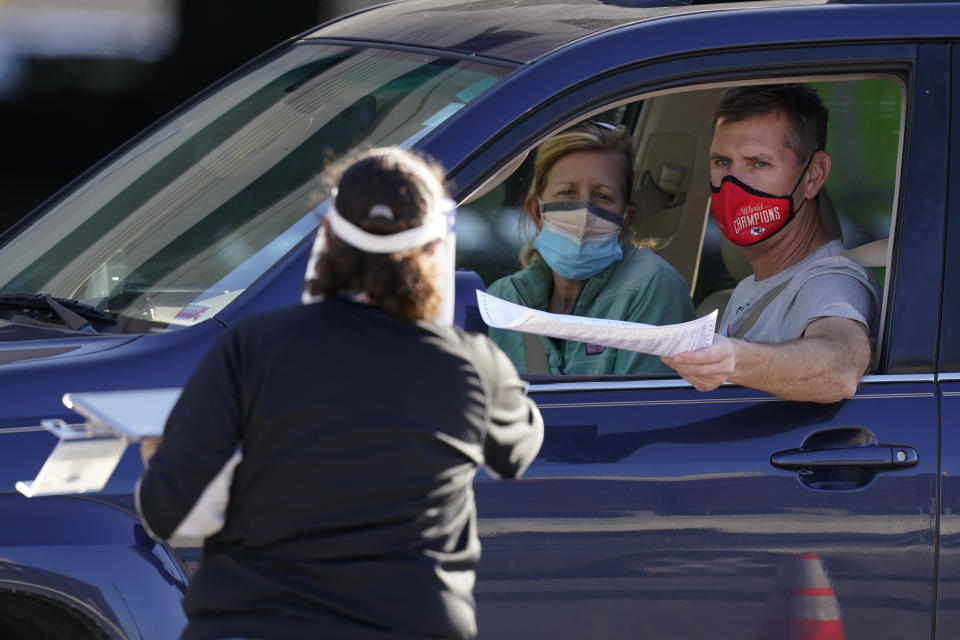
{"x":801,"y":605}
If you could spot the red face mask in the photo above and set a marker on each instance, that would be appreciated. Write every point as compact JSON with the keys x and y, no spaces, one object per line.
{"x":747,"y":216}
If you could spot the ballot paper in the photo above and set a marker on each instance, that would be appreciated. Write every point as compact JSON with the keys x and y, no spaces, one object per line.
{"x":663,"y":340}
{"x":87,"y":454}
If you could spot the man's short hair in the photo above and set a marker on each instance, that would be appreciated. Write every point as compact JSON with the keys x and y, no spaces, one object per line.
{"x":805,"y":113}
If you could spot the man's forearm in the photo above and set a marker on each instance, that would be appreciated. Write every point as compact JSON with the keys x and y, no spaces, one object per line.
{"x":816,"y":369}
{"x":825,"y":365}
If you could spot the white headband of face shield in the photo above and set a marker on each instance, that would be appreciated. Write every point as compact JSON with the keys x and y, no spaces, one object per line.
{"x":435,"y":226}
{"x":438,"y":225}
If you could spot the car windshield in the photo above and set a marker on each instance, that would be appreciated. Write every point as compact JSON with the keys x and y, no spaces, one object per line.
{"x":171,"y":230}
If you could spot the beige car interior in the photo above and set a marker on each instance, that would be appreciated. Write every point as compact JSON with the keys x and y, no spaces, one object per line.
{"x":673,"y":176}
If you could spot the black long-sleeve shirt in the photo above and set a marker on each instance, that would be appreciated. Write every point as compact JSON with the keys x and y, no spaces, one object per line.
{"x":326,"y":454}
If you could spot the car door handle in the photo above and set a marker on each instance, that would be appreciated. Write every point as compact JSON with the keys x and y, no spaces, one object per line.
{"x":880,"y":456}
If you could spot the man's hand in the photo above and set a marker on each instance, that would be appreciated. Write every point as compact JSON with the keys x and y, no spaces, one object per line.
{"x":148,"y":447}
{"x":706,"y":369}
{"x":825,"y":365}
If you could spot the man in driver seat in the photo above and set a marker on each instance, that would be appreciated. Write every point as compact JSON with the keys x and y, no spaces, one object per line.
{"x":801,"y":327}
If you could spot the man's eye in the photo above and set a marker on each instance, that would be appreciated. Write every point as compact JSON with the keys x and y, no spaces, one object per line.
{"x":722,"y":163}
{"x":602,"y":196}
{"x":760,"y":164}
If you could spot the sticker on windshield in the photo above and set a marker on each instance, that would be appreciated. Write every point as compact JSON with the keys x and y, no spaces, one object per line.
{"x":192,"y":312}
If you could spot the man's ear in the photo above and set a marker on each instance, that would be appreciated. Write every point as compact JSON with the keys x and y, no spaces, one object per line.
{"x":532,"y":206}
{"x":817,"y":174}
{"x":629,"y":216}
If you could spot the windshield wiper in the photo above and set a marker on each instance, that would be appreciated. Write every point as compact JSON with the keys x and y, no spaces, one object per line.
{"x":76,"y":315}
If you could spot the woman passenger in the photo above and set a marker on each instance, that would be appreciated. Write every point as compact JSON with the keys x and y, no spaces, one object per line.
{"x":582,"y":261}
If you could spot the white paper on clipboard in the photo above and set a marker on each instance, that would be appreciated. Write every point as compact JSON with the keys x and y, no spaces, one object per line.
{"x":87,"y":454}
{"x":76,"y":466}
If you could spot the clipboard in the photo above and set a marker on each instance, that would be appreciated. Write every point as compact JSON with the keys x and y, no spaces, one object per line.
{"x":136,"y":414}
{"x":87,"y":454}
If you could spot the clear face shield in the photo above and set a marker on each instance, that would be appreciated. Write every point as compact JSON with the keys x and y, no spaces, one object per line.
{"x":438,"y":227}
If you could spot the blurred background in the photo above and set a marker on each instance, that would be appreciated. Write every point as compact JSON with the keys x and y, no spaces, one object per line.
{"x":80,"y":77}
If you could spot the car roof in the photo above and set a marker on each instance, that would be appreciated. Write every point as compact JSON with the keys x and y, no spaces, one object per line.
{"x":515,"y":30}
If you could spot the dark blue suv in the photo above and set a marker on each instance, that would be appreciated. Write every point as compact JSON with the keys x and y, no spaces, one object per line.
{"x":653,"y":510}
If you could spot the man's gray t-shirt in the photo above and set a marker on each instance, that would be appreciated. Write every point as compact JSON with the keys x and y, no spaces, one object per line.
{"x":824,"y":284}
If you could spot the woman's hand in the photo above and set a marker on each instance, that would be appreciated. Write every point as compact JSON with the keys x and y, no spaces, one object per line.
{"x":148,"y":447}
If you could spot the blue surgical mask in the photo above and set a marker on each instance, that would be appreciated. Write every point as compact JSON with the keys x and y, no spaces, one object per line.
{"x":575,"y":254}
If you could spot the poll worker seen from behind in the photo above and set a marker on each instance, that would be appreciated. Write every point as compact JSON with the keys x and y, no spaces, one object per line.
{"x":324,"y":454}
{"x":803,"y":325}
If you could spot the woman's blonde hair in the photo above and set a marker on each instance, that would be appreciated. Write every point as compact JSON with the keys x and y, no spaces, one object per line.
{"x":402,"y":283}
{"x":587,"y":136}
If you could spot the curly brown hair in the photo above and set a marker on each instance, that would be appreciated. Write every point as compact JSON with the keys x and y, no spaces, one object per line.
{"x":402,"y":283}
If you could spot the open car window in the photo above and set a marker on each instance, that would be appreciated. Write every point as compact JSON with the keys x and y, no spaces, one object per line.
{"x":672,"y":134}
